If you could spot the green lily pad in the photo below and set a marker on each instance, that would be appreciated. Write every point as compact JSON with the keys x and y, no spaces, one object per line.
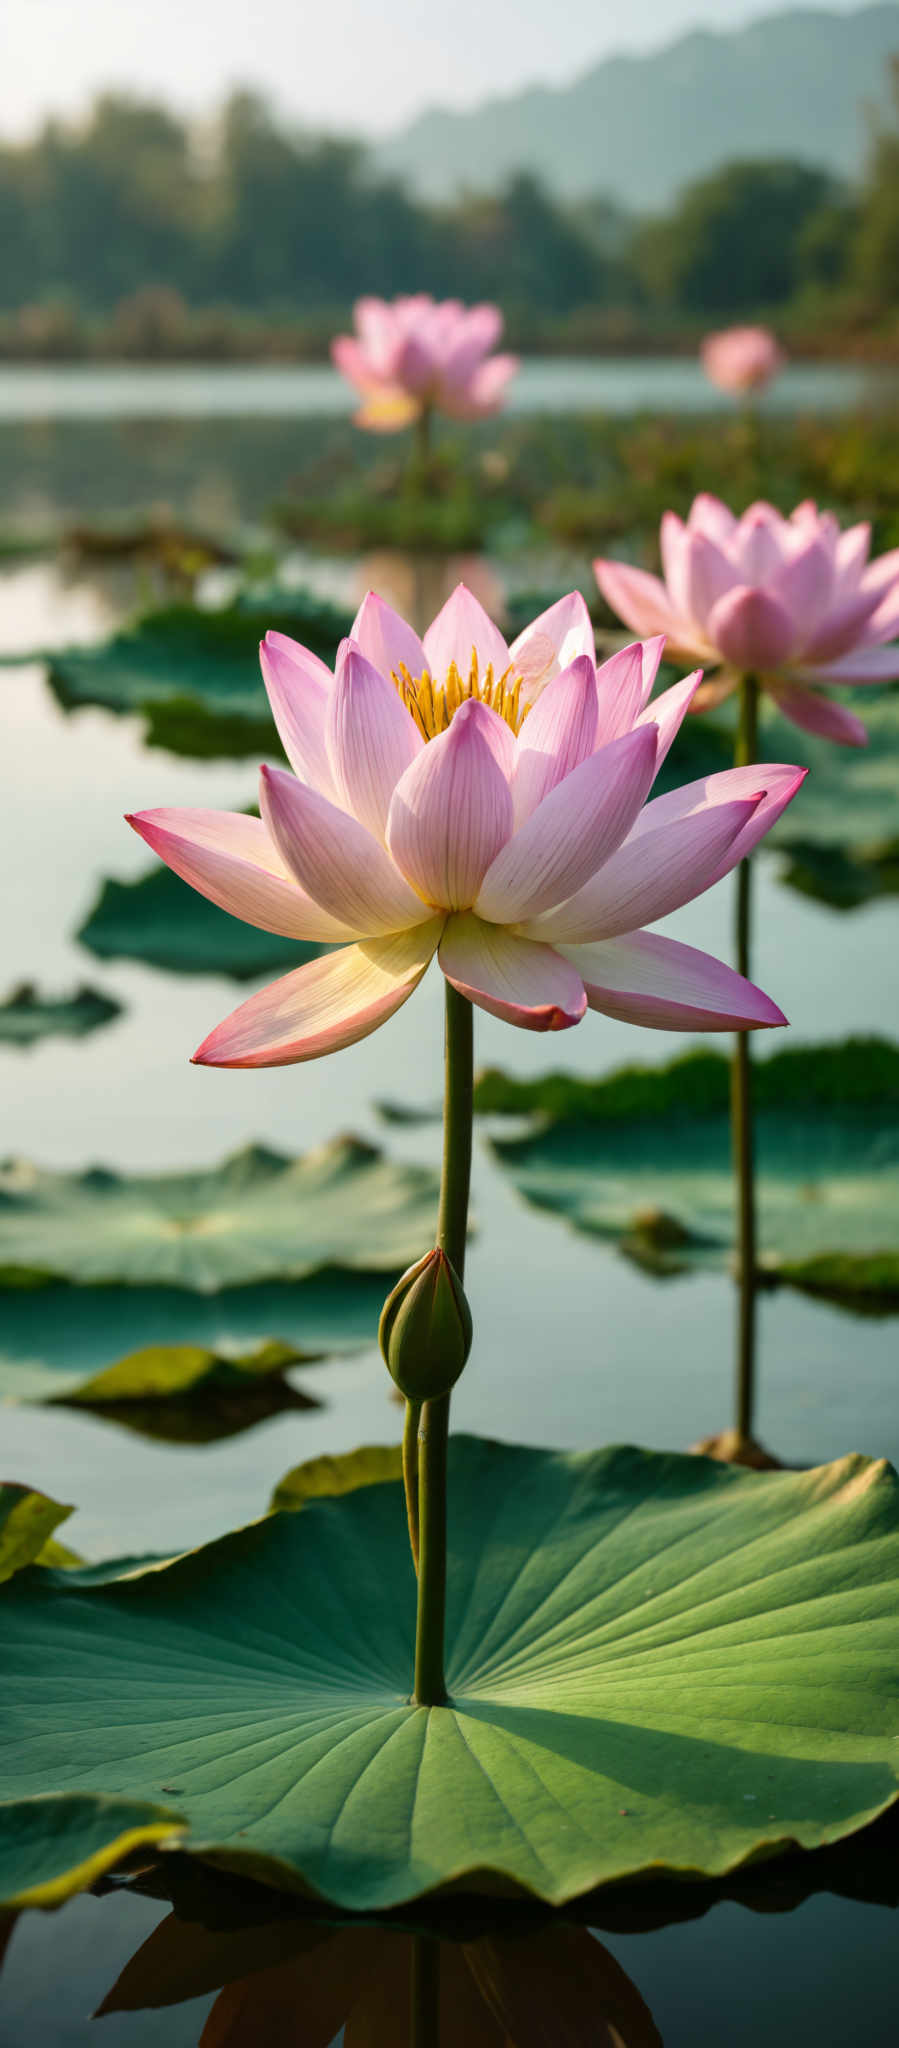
{"x":257,"y":1217}
{"x":182,"y":665}
{"x":642,"y":1157}
{"x":844,"y":877}
{"x":27,"y":1015}
{"x":182,"y":1393}
{"x":27,"y":1522}
{"x":54,"y":1338}
{"x":160,"y":921}
{"x":654,"y":1663}
{"x":57,"y":1844}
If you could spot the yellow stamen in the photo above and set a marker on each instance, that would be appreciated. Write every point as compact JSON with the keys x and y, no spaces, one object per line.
{"x":434,"y":705}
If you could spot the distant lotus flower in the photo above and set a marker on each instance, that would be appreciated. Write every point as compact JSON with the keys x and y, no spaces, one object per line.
{"x":793,"y":601}
{"x":741,"y":359}
{"x":412,"y":356}
{"x":485,"y":803}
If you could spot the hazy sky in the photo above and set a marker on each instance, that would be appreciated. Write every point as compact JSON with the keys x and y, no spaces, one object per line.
{"x":359,"y":64}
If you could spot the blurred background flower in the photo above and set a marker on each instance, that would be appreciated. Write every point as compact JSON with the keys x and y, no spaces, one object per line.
{"x":742,"y":359}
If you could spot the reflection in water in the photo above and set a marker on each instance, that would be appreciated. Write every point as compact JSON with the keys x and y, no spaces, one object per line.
{"x":288,"y":1981}
{"x":237,"y":1965}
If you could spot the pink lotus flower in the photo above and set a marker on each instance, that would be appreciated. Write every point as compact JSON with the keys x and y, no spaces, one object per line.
{"x":414,"y":355}
{"x":741,"y":359}
{"x":485,"y":803}
{"x":793,"y":601}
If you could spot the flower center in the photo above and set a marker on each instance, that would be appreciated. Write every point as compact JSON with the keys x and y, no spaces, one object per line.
{"x":433,"y":705}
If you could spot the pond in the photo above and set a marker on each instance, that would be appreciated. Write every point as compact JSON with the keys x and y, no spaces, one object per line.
{"x":556,"y":384}
{"x":576,"y":1346}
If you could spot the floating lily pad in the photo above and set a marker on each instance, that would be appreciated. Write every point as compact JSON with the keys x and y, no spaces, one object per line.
{"x":182,"y":1393}
{"x":257,"y":1217}
{"x":54,"y":1338}
{"x":57,"y":1844}
{"x":642,"y":1157}
{"x":182,"y":665}
{"x":27,"y":1522}
{"x":844,"y":877}
{"x":160,"y":921}
{"x":654,"y":1663}
{"x":27,"y":1015}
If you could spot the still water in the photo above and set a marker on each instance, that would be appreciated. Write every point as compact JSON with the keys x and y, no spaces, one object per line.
{"x":626,"y":384}
{"x":574,"y":1346}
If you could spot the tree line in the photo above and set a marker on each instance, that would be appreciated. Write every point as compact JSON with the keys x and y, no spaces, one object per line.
{"x":129,"y":234}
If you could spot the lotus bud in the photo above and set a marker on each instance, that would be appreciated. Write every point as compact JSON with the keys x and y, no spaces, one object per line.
{"x":425,"y":1329}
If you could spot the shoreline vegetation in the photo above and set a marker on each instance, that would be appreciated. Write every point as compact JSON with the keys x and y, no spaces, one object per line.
{"x":155,"y":325}
{"x":252,"y":243}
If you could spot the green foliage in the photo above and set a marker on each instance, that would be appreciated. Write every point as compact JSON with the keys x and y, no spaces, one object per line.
{"x":183,"y":1393}
{"x":54,"y":1338}
{"x":876,"y":252}
{"x":327,"y":1477}
{"x":27,"y":1015}
{"x":652,"y":1662}
{"x":257,"y":1217}
{"x":158,"y":919}
{"x":843,"y":877}
{"x":857,"y":1074}
{"x":27,"y":1522}
{"x":58,"y":1844}
{"x":182,"y":662}
{"x":759,"y":209}
{"x":643,"y":1158}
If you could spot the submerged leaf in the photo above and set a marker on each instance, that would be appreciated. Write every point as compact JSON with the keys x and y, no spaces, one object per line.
{"x":257,"y":1217}
{"x":653,"y":1661}
{"x":643,"y":1157}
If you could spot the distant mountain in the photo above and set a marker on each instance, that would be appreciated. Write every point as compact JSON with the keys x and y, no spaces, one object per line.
{"x":795,"y":84}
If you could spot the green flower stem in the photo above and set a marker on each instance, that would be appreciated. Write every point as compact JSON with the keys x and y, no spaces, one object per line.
{"x":410,"y":1473}
{"x":746,"y":751}
{"x":424,"y":1992}
{"x":423,"y":442}
{"x":430,"y":1686}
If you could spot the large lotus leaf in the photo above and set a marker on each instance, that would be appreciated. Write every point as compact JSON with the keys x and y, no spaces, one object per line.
{"x":654,"y":1662}
{"x":322,"y":1478}
{"x":257,"y":1217}
{"x":515,"y":1987}
{"x":643,"y":1157}
{"x":27,"y":1522}
{"x":57,"y":1843}
{"x":27,"y":1015}
{"x":159,"y":920}
{"x":53,"y":1339}
{"x":183,"y":665}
